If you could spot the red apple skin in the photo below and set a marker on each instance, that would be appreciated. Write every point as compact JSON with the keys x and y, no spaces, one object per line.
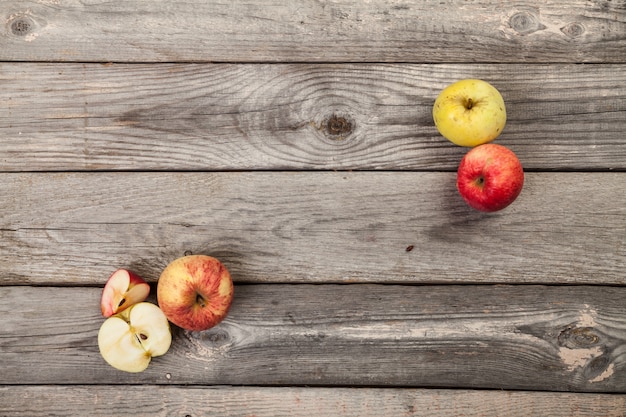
{"x":195,"y":292}
{"x":490,"y":177}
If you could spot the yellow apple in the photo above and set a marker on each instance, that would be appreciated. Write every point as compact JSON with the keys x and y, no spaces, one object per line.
{"x":130,"y":339}
{"x":470,"y":112}
{"x":195,"y":292}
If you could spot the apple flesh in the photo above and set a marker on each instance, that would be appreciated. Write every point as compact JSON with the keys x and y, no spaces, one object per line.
{"x":130,"y":339}
{"x":122,"y":290}
{"x":490,"y":177}
{"x":469,"y":112}
{"x":195,"y":292}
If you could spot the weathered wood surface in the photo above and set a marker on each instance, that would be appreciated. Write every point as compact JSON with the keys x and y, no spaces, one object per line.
{"x":235,"y":117}
{"x":155,"y":401}
{"x":232,"y":90}
{"x":310,"y":30}
{"x":299,"y":227}
{"x":558,"y":338}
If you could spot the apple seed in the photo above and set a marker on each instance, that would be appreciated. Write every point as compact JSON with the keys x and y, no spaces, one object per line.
{"x":140,"y":337}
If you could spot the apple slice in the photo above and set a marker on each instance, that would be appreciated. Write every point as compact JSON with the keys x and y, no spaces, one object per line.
{"x":122,"y":290}
{"x":129,"y":340}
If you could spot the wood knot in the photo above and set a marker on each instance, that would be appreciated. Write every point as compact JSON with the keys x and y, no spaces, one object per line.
{"x":338,"y":127}
{"x":573,"y":30}
{"x":597,"y":366}
{"x":22,"y":26}
{"x":578,"y":337}
{"x":216,"y":337}
{"x":525,"y":23}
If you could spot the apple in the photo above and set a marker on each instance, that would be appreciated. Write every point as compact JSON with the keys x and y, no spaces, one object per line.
{"x":122,"y":290}
{"x":130,"y":339}
{"x":490,"y":177}
{"x":195,"y":292}
{"x":470,"y":112}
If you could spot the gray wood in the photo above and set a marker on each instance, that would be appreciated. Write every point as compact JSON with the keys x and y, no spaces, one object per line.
{"x":154,"y":401}
{"x":249,"y":117}
{"x":559,"y":338}
{"x":410,"y":227}
{"x":133,"y":132}
{"x":343,"y":30}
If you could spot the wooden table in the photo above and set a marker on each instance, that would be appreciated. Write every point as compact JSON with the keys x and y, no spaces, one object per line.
{"x":294,"y":141}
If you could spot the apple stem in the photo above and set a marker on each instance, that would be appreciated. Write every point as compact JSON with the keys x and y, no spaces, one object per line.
{"x":469,"y":104}
{"x":200,"y":300}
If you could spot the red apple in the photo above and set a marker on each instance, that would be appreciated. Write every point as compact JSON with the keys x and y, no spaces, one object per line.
{"x":490,"y":177}
{"x":122,"y":290}
{"x":195,"y":292}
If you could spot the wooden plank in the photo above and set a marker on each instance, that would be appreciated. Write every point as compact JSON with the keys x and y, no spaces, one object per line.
{"x":154,"y":401}
{"x":76,"y":228}
{"x":236,"y":117}
{"x":559,"y":338}
{"x":308,"y":30}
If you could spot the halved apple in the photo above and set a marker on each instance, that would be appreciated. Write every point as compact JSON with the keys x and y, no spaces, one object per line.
{"x":130,"y":339}
{"x":123,"y":289}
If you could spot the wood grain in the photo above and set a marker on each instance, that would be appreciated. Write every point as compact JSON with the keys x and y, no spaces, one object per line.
{"x":561,"y":338}
{"x":295,"y":142}
{"x":56,"y":117}
{"x":154,"y":401}
{"x":76,"y":228}
{"x":309,"y":30}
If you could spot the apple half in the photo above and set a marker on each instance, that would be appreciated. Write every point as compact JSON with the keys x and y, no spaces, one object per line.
{"x":123,"y":289}
{"x":130,"y":339}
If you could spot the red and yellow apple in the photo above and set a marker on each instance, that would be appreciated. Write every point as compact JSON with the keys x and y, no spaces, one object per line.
{"x":123,"y":289}
{"x":470,"y":112}
{"x":195,"y":292}
{"x":130,"y":339}
{"x":490,"y":177}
